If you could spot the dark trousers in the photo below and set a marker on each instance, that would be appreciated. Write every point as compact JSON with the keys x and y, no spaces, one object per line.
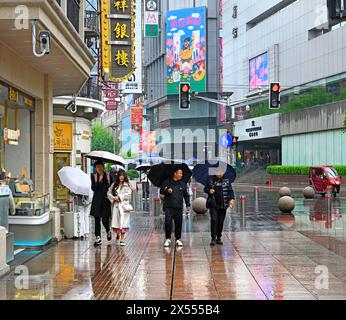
{"x":177,"y":216}
{"x":105,"y":222}
{"x":217,"y":219}
{"x":145,"y":186}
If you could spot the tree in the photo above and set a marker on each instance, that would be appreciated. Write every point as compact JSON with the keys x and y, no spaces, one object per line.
{"x":345,"y":123}
{"x":102,"y":139}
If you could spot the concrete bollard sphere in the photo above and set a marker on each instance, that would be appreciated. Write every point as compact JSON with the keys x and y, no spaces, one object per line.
{"x":284,"y":191}
{"x":199,"y":206}
{"x":309,"y":193}
{"x":286,"y":204}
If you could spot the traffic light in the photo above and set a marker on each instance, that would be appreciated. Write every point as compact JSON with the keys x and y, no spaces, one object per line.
{"x":184,"y":96}
{"x":274,"y":96}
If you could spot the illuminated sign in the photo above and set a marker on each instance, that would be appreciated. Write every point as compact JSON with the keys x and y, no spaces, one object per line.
{"x":118,"y":45}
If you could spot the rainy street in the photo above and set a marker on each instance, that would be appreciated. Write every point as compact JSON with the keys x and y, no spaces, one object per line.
{"x":266,"y":255}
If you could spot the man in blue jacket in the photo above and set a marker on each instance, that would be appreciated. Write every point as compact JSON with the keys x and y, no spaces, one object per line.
{"x":175,"y":192}
{"x":219,"y":187}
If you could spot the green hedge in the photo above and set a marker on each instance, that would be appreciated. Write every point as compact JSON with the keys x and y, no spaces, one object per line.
{"x":299,"y":170}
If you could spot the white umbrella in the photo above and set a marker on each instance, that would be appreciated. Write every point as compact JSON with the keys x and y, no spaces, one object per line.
{"x":106,"y":157}
{"x":76,"y":180}
{"x":144,"y":167}
{"x":118,"y":168}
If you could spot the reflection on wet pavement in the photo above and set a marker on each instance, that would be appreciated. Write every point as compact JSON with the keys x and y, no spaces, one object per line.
{"x":266,"y":255}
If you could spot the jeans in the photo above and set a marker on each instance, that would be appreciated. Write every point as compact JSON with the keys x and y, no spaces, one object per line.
{"x":105,"y":222}
{"x":217,"y":219}
{"x":145,"y":186}
{"x":176,"y":215}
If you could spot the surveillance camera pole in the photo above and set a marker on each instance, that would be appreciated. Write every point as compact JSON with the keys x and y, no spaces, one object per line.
{"x":36,"y":54}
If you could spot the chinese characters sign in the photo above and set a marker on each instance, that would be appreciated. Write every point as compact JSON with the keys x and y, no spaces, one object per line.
{"x":62,"y":135}
{"x":118,"y":25}
{"x":186,"y":49}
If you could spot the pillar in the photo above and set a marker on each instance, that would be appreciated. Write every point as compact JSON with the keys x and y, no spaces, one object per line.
{"x":4,"y":268}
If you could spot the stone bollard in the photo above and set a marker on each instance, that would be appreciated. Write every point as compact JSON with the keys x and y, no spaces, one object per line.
{"x":286,"y":204}
{"x":199,"y":205}
{"x":309,"y":192}
{"x":4,"y":268}
{"x":157,"y":206}
{"x":284,"y":191}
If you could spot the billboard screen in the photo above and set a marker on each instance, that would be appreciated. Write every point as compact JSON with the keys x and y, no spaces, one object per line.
{"x":186,"y":48}
{"x":258,"y":71}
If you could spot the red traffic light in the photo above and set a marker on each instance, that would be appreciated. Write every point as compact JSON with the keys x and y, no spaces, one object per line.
{"x":276,"y":87}
{"x":186,"y":88}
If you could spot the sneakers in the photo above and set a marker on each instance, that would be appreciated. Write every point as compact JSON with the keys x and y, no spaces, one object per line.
{"x":212,"y":243}
{"x":167,"y":243}
{"x":98,"y":241}
{"x":179,"y":243}
{"x":109,"y":235}
{"x":122,"y":243}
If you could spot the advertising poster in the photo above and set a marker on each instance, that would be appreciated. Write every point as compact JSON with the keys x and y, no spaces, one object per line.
{"x":186,"y":49}
{"x":258,"y":71}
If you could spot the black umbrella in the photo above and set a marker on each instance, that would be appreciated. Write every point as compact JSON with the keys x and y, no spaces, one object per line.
{"x":203,"y":171}
{"x":163,"y":171}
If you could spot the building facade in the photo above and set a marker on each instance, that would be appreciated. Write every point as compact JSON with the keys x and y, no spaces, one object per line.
{"x":297,"y":44}
{"x":29,"y":81}
{"x":183,"y":134}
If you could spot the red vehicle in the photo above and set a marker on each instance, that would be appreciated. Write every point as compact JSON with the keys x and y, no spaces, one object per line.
{"x":322,"y":178}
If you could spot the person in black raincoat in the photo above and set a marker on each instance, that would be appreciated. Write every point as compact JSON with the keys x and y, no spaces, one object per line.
{"x":175,"y":192}
{"x":220,"y":189}
{"x":101,"y":206}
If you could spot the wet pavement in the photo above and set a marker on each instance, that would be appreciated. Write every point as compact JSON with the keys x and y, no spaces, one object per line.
{"x":266,"y":255}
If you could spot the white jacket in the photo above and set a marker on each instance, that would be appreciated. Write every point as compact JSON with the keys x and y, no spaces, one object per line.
{"x":120,"y":218}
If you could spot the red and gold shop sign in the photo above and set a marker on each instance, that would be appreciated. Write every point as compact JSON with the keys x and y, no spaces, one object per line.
{"x":118,"y":33}
{"x":11,"y":136}
{"x":62,"y":135}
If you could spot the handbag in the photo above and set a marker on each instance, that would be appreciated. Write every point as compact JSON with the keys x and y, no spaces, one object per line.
{"x":127,"y":207}
{"x":211,"y":202}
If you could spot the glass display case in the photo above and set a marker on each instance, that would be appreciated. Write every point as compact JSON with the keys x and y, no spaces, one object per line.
{"x":35,"y":205}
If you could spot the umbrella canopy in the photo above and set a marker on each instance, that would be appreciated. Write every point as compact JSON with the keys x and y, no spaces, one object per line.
{"x":163,"y":171}
{"x":150,"y":160}
{"x":117,"y":168}
{"x":76,"y":180}
{"x":106,"y":157}
{"x":203,"y":171}
{"x":144,"y":167}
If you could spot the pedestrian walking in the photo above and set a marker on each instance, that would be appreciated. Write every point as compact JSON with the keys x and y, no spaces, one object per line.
{"x":145,"y":186}
{"x":100,"y":206}
{"x":119,"y":194}
{"x":175,"y":191}
{"x":82,"y":206}
{"x":220,"y":198}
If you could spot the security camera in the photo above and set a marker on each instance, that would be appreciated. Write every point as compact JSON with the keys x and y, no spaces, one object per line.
{"x":44,"y":38}
{"x":71,"y":106}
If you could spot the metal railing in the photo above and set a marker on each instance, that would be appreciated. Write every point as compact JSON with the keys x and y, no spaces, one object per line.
{"x":91,"y":22}
{"x":91,"y":91}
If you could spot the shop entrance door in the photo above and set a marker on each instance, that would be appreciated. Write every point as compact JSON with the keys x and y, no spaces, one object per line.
{"x":60,"y":160}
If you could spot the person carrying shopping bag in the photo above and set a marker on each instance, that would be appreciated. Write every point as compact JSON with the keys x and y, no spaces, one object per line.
{"x":119,"y":194}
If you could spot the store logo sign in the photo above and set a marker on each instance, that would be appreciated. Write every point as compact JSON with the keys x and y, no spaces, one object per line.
{"x":11,"y":136}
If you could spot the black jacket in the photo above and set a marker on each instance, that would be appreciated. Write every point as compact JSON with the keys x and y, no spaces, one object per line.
{"x":100,"y":206}
{"x":175,"y":200}
{"x":223,"y":191}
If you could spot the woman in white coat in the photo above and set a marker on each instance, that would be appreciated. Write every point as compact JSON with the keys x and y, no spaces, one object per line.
{"x":119,"y":195}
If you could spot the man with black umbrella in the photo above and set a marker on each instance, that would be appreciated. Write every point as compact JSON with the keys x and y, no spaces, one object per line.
{"x":175,"y":192}
{"x":219,"y":190}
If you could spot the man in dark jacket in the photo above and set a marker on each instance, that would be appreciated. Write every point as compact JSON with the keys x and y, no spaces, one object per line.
{"x":175,"y":192}
{"x":100,"y":206}
{"x":221,"y":189}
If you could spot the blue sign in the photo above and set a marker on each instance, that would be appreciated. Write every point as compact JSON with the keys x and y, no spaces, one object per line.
{"x":225,"y":141}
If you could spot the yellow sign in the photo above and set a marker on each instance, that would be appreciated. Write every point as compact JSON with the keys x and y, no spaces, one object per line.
{"x":62,"y":135}
{"x":28,"y":102}
{"x":13,"y":94}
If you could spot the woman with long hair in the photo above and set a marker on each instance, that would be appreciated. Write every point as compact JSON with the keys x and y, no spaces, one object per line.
{"x":119,"y":195}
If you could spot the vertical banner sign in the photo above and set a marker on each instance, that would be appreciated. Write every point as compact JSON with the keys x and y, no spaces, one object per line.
{"x":151,"y":18}
{"x":136,"y":117}
{"x":134,"y":84}
{"x":186,"y":49}
{"x":118,"y":27}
